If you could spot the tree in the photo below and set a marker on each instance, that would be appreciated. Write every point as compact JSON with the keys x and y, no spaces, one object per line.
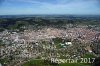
{"x":96,"y":62}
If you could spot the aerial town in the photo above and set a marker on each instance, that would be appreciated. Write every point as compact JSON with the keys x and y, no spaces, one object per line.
{"x":22,"y":41}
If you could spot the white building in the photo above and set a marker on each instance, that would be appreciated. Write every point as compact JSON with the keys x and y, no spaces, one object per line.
{"x":68,"y":43}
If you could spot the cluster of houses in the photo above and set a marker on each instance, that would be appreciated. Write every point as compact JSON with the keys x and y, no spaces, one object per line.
{"x":28,"y":43}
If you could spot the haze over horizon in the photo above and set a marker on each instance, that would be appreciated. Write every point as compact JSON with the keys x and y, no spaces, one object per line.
{"x":79,"y":7}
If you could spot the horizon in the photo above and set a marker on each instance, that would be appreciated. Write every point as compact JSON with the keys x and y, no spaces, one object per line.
{"x":50,"y":15}
{"x":50,"y":7}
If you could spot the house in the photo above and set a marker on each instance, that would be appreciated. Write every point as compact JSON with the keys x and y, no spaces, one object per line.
{"x":68,"y":43}
{"x":89,"y":49}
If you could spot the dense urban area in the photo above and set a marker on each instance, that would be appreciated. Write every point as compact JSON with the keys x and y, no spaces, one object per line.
{"x":36,"y":39}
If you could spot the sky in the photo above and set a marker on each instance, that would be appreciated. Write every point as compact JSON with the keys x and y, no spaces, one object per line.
{"x":77,"y":7}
